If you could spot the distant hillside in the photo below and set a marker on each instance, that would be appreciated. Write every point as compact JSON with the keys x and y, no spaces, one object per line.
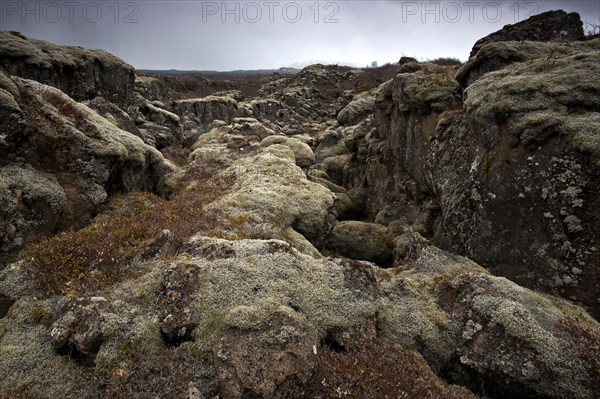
{"x":303,"y":64}
{"x":239,"y":72}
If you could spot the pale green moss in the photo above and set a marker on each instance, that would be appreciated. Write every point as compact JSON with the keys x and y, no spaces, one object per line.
{"x":302,"y":152}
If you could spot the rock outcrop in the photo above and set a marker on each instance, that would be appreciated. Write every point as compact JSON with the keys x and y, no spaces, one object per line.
{"x":505,"y":176}
{"x":208,"y":109}
{"x":82,"y":74}
{"x":545,"y":27}
{"x":61,"y":162}
{"x":263,"y":336}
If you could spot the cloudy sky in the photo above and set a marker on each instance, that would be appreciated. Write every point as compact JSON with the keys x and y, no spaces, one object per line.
{"x":229,"y":35}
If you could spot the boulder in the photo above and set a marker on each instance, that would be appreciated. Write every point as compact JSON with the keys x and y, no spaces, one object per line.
{"x":497,"y":55}
{"x":280,"y":363}
{"x":155,"y":89}
{"x":330,"y":144}
{"x":302,"y":152}
{"x":544,"y":27}
{"x":203,"y":111}
{"x":252,"y":126}
{"x":523,"y":330}
{"x":334,"y":167}
{"x":362,"y":241}
{"x":264,"y":314}
{"x":272,"y":192}
{"x":31,"y":204}
{"x":265,"y":109}
{"x":114,"y":114}
{"x":358,"y":109}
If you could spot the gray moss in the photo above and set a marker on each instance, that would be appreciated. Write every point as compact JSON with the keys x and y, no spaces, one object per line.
{"x":34,"y":186}
{"x":7,"y":84}
{"x":441,"y":305}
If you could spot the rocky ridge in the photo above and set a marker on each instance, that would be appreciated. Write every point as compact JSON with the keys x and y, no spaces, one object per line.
{"x":321,"y":239}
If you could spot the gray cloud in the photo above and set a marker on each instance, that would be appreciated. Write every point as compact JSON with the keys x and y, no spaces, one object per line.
{"x":268,"y":34}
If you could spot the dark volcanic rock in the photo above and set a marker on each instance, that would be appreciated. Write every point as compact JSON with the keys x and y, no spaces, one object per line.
{"x":523,"y":201}
{"x":177,"y":324}
{"x":77,"y":330}
{"x":544,"y":27}
{"x":82,"y":74}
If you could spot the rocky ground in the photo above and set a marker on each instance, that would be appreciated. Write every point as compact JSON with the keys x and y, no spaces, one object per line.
{"x":434,"y":235}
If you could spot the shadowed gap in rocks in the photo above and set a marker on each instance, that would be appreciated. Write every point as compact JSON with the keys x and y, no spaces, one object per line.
{"x":5,"y":305}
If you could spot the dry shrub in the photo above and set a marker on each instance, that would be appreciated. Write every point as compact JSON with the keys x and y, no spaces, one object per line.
{"x":98,"y":255}
{"x":23,"y":392}
{"x":177,"y":154}
{"x":198,"y":85}
{"x":373,"y":77}
{"x":447,"y":61}
{"x":377,"y":368}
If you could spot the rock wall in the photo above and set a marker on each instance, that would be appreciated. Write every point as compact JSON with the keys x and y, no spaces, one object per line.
{"x":506,"y":175}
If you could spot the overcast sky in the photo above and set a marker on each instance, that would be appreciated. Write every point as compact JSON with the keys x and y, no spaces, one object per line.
{"x":218,"y":35}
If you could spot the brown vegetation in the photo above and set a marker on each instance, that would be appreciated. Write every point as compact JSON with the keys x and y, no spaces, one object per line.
{"x":177,"y":154}
{"x":447,"y":61}
{"x":370,"y":367}
{"x":373,"y":77}
{"x":98,"y":255}
{"x":199,"y":86}
{"x":72,"y":110}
